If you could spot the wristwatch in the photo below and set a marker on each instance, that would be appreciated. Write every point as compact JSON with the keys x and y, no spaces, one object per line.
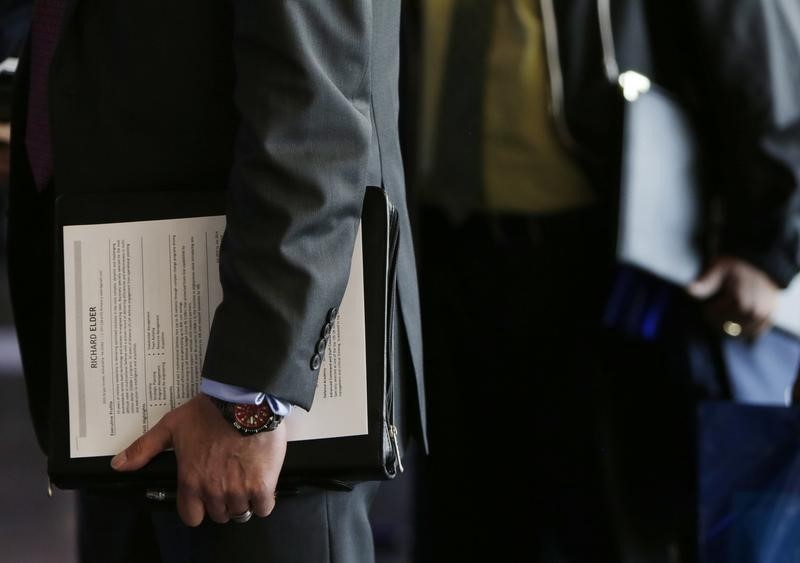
{"x":248,"y":419}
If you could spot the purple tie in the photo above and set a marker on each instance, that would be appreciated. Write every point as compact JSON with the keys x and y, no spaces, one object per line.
{"x":47,"y":15}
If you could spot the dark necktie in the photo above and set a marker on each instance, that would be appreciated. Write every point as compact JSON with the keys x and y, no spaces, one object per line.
{"x":457,"y":175}
{"x":47,"y":16}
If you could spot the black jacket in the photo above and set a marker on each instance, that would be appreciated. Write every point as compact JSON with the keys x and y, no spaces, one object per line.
{"x":736,"y":65}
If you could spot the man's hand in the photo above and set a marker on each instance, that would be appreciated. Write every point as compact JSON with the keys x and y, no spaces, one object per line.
{"x":739,"y":293}
{"x":220,"y":472}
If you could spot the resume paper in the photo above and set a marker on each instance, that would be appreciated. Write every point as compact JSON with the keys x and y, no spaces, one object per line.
{"x":140,"y":297}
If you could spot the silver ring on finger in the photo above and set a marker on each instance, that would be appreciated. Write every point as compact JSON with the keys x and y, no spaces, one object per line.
{"x":243,"y":517}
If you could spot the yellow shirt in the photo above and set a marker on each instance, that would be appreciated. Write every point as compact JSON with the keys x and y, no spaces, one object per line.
{"x":527,"y":169}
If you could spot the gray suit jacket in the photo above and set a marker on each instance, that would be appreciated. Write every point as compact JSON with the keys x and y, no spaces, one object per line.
{"x":290,"y":105}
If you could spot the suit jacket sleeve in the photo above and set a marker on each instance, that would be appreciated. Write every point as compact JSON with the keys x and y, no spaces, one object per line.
{"x":296,"y":188}
{"x":750,"y":52}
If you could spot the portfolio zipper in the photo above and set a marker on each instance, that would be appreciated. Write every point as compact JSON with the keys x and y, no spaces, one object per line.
{"x":390,"y":375}
{"x":395,"y":446}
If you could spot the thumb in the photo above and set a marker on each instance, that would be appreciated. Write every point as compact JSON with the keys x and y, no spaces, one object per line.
{"x":709,"y":282}
{"x":145,"y":448}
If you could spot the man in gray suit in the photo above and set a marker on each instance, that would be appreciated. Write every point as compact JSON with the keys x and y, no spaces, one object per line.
{"x":292,"y":107}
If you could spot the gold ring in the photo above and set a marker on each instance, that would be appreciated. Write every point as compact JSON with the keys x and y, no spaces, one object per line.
{"x":732,"y":329}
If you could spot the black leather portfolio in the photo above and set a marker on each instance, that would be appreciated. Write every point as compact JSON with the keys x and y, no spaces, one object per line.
{"x":353,"y":457}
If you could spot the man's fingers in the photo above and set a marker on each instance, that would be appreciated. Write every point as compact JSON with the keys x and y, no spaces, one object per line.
{"x":723,"y":308}
{"x":262,"y":504}
{"x":237,"y":502}
{"x":190,"y":507}
{"x":216,"y":509}
{"x":140,"y":452}
{"x":756,"y":327}
{"x":218,"y":470}
{"x":262,"y":497}
{"x":709,"y":282}
{"x":742,"y":293}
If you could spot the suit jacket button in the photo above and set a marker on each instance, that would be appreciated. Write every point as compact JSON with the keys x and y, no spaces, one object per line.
{"x":316,"y":362}
{"x":332,"y":314}
{"x":321,"y":345}
{"x":326,"y":332}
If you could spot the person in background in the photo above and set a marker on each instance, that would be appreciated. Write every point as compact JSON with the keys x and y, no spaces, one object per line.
{"x":732,"y":68}
{"x":518,"y":166}
{"x":291,"y":108}
{"x":514,"y":185}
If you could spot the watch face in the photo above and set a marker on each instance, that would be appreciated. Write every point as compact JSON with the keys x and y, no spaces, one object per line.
{"x":251,"y":417}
